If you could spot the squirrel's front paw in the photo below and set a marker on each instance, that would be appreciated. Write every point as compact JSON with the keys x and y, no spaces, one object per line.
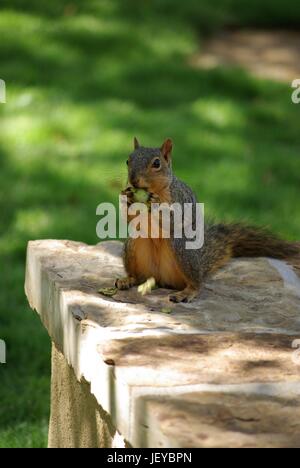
{"x":154,"y":198}
{"x":129,"y":194}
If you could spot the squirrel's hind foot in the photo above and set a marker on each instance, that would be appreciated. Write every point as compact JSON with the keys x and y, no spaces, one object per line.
{"x":186,"y":295}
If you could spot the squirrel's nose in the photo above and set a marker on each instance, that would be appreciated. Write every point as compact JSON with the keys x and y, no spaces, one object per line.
{"x":134,"y":180}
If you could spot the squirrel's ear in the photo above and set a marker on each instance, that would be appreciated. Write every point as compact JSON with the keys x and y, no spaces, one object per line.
{"x":136,"y":143}
{"x":166,"y":149}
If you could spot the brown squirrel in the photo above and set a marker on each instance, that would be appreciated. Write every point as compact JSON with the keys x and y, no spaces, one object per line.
{"x":167,"y":260}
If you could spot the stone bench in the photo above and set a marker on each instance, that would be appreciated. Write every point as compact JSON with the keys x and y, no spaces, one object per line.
{"x":126,"y":371}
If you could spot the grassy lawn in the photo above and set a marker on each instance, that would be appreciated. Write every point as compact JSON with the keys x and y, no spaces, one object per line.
{"x":84,"y":77}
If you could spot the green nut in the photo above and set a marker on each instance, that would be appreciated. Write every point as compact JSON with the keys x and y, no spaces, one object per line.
{"x":140,"y":195}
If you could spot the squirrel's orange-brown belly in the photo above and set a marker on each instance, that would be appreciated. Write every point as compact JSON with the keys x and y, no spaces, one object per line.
{"x":155,"y":258}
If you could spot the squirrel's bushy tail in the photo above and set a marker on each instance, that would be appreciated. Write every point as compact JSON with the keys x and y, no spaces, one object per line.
{"x":247,"y":241}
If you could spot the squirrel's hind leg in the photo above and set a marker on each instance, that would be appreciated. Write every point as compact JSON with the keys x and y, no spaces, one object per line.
{"x":125,"y":283}
{"x":186,"y":295}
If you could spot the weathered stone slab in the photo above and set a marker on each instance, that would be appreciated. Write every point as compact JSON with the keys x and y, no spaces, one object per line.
{"x":192,"y":359}
{"x":230,"y":420}
{"x":238,"y":333}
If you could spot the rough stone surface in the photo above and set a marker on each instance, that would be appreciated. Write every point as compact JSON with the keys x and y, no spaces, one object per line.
{"x":223,"y":420}
{"x":221,"y":371}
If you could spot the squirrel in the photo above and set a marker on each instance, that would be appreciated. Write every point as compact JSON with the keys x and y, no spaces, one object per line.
{"x":167,"y":260}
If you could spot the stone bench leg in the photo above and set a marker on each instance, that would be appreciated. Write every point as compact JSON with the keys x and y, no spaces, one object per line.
{"x":76,"y":419}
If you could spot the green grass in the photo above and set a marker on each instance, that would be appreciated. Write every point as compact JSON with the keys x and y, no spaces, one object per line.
{"x":83,"y":78}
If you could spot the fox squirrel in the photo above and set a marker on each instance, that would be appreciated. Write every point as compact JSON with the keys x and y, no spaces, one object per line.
{"x":167,"y":260}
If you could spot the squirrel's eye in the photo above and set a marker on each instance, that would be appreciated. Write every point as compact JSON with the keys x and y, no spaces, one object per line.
{"x":127,"y":162}
{"x":156,"y":163}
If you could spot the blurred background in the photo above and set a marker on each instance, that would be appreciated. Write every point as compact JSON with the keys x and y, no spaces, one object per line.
{"x":83,"y":77}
